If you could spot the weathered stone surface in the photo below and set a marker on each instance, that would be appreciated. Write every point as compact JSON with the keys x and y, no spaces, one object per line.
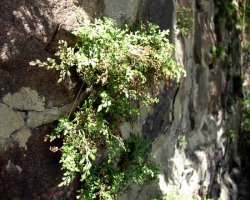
{"x":122,"y":10}
{"x":157,"y":10}
{"x":25,"y":100}
{"x":193,"y":146}
{"x":61,"y":34}
{"x":246,"y":83}
{"x":10,"y":121}
{"x":146,"y":10}
{"x":36,"y":119}
{"x":32,"y":173}
{"x":28,"y":27}
{"x":22,"y":137}
{"x":189,"y":125}
{"x":31,"y":96}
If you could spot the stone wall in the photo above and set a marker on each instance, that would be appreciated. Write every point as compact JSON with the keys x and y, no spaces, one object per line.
{"x":196,"y":124}
{"x":190,"y":125}
{"x":30,"y":97}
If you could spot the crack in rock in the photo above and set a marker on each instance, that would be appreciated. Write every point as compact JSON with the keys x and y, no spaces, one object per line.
{"x":35,"y":119}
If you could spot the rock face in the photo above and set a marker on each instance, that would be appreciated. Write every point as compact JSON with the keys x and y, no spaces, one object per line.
{"x":194,"y":126}
{"x":30,"y":98}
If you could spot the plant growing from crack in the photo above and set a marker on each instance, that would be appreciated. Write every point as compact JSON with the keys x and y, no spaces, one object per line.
{"x":118,"y":66}
{"x":182,"y":141}
{"x":218,"y":51}
{"x":185,"y":20}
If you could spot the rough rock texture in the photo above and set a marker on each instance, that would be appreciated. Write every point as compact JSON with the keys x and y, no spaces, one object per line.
{"x":30,"y":97}
{"x":191,"y":126}
{"x":196,"y":124}
{"x":122,"y":10}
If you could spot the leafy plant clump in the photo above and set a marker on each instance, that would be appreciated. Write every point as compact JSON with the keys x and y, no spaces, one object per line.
{"x":218,"y":51}
{"x":118,"y":66}
{"x":185,"y":20}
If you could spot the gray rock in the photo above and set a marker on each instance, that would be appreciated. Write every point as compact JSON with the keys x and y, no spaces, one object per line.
{"x":10,"y":121}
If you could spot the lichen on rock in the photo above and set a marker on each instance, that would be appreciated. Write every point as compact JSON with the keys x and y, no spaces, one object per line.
{"x":25,"y":100}
{"x":10,"y":121}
